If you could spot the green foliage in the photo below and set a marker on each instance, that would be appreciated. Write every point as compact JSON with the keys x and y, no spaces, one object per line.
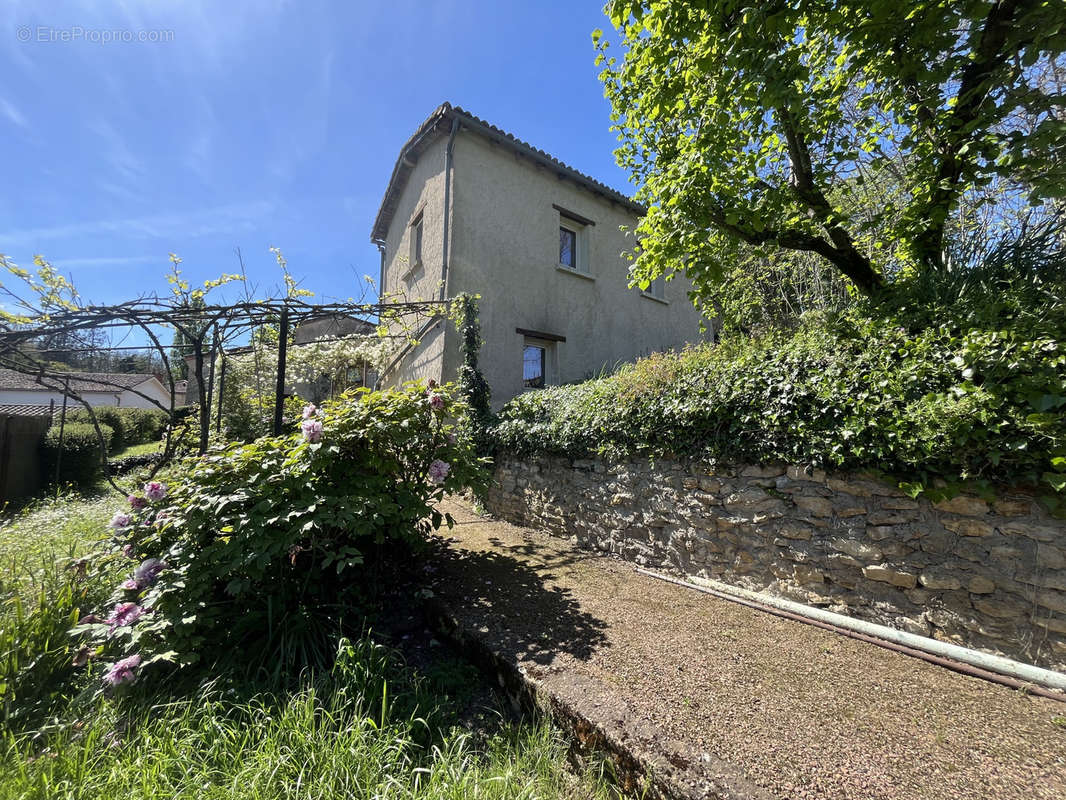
{"x":757,"y":294}
{"x":854,"y":394}
{"x":36,"y":650}
{"x":129,"y":425}
{"x":270,"y":546}
{"x":472,"y":384}
{"x":44,"y":589}
{"x":367,"y":728}
{"x":848,"y":129}
{"x":80,"y":458}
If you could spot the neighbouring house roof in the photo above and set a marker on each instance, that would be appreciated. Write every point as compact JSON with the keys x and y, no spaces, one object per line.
{"x":79,"y":381}
{"x":24,"y":410}
{"x":331,"y":326}
{"x":438,"y":124}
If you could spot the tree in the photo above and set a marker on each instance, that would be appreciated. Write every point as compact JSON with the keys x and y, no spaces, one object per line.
{"x":764,"y":126}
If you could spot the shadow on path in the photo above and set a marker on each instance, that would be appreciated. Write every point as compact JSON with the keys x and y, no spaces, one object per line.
{"x":511,"y":601}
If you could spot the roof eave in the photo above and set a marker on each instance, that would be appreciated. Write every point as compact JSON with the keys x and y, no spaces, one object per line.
{"x":445,"y":113}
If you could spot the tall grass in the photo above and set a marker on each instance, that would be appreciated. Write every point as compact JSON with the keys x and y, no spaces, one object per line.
{"x":352,"y":734}
{"x":43,"y":592}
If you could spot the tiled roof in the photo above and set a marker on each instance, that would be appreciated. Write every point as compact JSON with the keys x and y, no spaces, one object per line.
{"x":438,"y":124}
{"x":79,"y":381}
{"x":24,"y":410}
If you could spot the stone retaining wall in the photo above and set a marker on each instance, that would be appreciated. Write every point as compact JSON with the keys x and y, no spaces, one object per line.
{"x":987,"y":575}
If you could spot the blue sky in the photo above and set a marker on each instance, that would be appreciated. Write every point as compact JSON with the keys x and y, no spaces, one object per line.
{"x":258,"y":123}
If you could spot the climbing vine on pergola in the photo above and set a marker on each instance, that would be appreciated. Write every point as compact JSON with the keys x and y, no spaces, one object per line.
{"x":207,"y":330}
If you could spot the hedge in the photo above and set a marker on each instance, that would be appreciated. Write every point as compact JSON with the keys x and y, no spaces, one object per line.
{"x":81,"y":458}
{"x":131,"y":425}
{"x":120,"y":466}
{"x":927,"y":407}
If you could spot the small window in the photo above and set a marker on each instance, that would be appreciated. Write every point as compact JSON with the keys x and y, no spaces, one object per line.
{"x":533,"y":363}
{"x":657,"y":288}
{"x":416,"y":242}
{"x":567,"y":247}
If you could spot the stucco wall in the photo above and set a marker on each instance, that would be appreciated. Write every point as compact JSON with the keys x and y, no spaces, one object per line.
{"x":43,"y":398}
{"x":423,"y":193}
{"x":987,"y":575}
{"x":119,"y":397}
{"x":505,"y":247}
{"x":152,"y":389}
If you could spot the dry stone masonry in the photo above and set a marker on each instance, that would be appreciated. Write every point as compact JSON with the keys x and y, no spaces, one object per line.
{"x":986,"y":575}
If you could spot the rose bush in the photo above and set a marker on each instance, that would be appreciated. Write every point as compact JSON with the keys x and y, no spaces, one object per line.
{"x":264,"y":551}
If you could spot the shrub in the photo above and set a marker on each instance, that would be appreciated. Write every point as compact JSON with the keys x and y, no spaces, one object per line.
{"x":858,"y":394}
{"x":130,"y":425}
{"x":263,"y":550}
{"x":120,"y":466}
{"x":80,"y":459}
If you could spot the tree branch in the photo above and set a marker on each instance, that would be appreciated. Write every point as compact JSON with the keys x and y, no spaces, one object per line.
{"x":975,"y":87}
{"x":843,"y":253}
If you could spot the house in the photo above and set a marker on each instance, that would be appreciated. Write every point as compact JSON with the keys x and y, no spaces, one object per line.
{"x":123,"y":389}
{"x":325,"y":328}
{"x":322,"y":328}
{"x":471,"y":208}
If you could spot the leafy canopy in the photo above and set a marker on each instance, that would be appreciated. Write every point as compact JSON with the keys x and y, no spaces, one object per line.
{"x":769,"y":125}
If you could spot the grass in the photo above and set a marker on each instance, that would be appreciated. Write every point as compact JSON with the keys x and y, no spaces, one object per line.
{"x":41,"y":597}
{"x":137,"y":450}
{"x":372,"y":727}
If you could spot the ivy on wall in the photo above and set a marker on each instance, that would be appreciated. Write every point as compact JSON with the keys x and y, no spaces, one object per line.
{"x":472,"y":384}
{"x":933,"y":408}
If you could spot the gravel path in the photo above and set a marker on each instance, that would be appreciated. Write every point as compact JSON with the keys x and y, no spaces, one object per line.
{"x":748,"y":703}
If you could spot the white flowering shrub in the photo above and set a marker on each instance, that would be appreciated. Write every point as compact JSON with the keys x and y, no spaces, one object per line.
{"x":251,"y":377}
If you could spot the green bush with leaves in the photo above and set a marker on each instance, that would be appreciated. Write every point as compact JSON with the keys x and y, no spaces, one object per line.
{"x":852,"y":394}
{"x":263,"y":552}
{"x":130,"y":425}
{"x":80,"y":459}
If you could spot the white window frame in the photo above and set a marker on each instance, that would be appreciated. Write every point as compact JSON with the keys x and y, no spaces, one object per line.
{"x":418,"y":231}
{"x":656,"y":290}
{"x":549,"y":360}
{"x":580,"y":227}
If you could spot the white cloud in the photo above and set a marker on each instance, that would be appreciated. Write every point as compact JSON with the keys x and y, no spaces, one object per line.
{"x":8,"y":109}
{"x":117,"y":152}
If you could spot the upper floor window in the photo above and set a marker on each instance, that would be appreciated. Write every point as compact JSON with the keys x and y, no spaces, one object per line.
{"x":416,"y":242}
{"x":573,"y":241}
{"x":567,"y":247}
{"x":657,"y":288}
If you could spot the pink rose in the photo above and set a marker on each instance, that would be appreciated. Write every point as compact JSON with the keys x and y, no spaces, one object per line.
{"x":312,"y":430}
{"x":124,"y":614}
{"x":123,"y":671}
{"x":120,"y":520}
{"x":438,"y":471}
{"x":154,"y":490}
